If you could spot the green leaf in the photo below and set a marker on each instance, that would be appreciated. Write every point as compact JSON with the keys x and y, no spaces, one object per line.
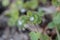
{"x":31,"y":4}
{"x":56,"y":19}
{"x":34,"y":4}
{"x":29,"y":13}
{"x":19,"y":4}
{"x":34,"y":35}
{"x":11,"y":22}
{"x":5,"y":2}
{"x":14,"y":14}
{"x":34,"y":17}
{"x":40,"y":12}
{"x":51,"y":25}
{"x":22,"y":20}
{"x":44,"y":37}
{"x":56,"y":2}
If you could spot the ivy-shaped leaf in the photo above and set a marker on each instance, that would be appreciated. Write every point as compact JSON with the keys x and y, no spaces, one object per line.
{"x":51,"y":25}
{"x":44,"y":37}
{"x":34,"y":35}
{"x":56,"y":19}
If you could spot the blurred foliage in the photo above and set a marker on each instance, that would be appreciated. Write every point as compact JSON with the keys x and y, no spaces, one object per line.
{"x":32,"y":4}
{"x":56,"y":2}
{"x":31,"y":17}
{"x":14,"y":15}
{"x":56,"y":24}
{"x":56,"y":20}
{"x":38,"y":36}
{"x":34,"y":35}
{"x":22,"y":21}
{"x":34,"y":17}
{"x":44,"y":37}
{"x":5,"y":2}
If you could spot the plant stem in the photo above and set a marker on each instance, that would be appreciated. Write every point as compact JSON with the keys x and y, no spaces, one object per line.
{"x":58,"y":36}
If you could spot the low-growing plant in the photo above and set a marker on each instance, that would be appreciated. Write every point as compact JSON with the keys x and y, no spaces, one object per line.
{"x":32,"y":17}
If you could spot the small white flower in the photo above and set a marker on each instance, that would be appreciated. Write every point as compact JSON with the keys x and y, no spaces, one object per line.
{"x":19,"y":22}
{"x":23,"y":10}
{"x":31,"y":18}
